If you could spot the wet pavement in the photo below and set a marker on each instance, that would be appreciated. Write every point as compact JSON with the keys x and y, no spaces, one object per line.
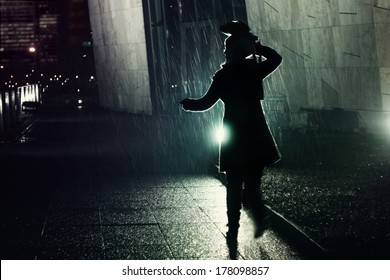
{"x":94,"y":184}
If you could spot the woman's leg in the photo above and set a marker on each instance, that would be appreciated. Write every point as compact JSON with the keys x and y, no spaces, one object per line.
{"x":253,"y":201}
{"x":233,"y":201}
{"x":252,"y":196}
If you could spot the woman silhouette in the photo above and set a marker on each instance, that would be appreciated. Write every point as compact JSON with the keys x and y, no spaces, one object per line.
{"x":249,"y":145}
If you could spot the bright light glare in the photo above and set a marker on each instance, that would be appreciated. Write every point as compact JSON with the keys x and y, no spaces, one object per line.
{"x":31,"y":49}
{"x":221,"y":134}
{"x":80,"y":101}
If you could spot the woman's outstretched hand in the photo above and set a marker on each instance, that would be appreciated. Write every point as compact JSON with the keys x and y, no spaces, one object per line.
{"x":185,"y":103}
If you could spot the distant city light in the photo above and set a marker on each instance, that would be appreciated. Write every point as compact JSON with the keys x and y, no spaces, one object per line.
{"x":32,"y":49}
{"x":87,"y":43}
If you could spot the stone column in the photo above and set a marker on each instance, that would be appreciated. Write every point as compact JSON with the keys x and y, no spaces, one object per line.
{"x":120,"y":55}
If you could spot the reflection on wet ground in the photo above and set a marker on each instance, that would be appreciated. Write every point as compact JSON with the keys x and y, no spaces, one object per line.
{"x":100,"y":185}
{"x":341,"y":195}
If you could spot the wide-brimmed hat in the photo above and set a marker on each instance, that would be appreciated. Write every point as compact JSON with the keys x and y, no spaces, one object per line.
{"x":235,"y":27}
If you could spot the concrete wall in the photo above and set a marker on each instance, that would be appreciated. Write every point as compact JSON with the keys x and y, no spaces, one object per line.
{"x":382,"y":30}
{"x":336,"y":52}
{"x":120,"y":55}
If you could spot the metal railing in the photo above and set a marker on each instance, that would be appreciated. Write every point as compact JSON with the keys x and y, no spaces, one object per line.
{"x":14,"y":103}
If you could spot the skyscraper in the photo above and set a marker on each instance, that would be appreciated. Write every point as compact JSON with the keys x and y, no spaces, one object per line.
{"x":29,"y":34}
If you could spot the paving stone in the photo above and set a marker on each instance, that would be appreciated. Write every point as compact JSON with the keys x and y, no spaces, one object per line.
{"x":71,"y":253}
{"x":127,"y":217}
{"x":71,"y":236}
{"x":129,"y":235}
{"x":139,"y":252}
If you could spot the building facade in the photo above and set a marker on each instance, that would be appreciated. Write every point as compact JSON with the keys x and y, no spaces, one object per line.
{"x":150,"y":54}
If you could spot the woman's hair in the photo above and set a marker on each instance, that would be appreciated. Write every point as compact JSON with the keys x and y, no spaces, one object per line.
{"x":240,"y":46}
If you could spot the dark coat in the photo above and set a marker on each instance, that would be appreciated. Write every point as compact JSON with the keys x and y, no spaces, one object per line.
{"x":249,"y":144}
